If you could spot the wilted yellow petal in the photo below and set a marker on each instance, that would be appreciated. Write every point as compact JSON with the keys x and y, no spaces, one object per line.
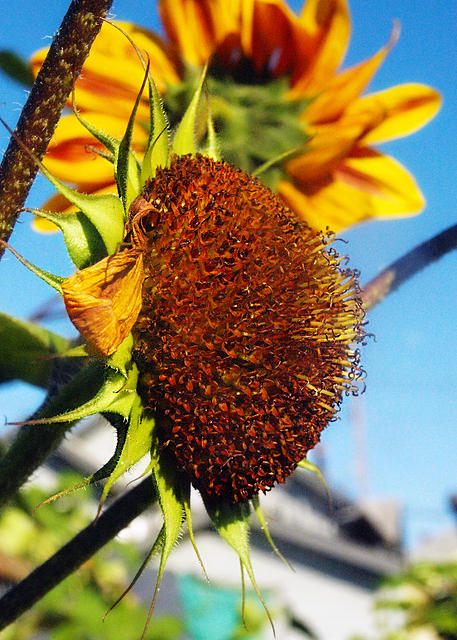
{"x":366,"y":185}
{"x":405,"y":109}
{"x":71,"y":153}
{"x":104,"y":300}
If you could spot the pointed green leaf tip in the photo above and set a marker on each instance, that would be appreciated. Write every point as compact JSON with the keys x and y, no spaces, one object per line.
{"x":232,"y":524}
{"x":184,"y":139}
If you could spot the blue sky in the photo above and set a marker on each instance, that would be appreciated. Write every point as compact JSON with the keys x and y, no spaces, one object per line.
{"x":410,"y":405}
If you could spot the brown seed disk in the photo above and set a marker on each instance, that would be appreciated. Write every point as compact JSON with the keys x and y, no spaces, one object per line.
{"x":243,"y":341}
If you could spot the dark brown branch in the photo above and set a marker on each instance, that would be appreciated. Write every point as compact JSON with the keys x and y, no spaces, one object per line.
{"x":408,"y":265}
{"x":44,"y":105}
{"x":23,"y":596}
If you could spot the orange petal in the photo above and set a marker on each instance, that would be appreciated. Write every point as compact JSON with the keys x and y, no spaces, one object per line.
{"x":104,"y":300}
{"x":328,"y":27}
{"x":276,"y":39}
{"x":404,"y":109}
{"x":59,"y":204}
{"x":99,"y":89}
{"x":366,"y":185}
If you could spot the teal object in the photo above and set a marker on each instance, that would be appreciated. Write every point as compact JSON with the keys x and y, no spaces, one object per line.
{"x":210,"y":612}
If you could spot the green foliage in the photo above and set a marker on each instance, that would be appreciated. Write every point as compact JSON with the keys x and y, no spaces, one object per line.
{"x":76,"y":607}
{"x":425,"y":596}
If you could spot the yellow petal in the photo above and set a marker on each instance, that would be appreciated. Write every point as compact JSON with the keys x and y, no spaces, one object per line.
{"x":329,"y":146}
{"x":404,"y":109}
{"x":366,"y":185}
{"x":112,"y":73}
{"x":342,"y":89}
{"x":71,"y":156}
{"x":59,"y":204}
{"x":196,"y":26}
{"x":327,"y":24}
{"x":104,"y":300}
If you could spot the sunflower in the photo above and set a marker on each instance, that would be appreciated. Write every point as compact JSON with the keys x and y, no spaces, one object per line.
{"x":279,"y":94}
{"x":220,"y":329}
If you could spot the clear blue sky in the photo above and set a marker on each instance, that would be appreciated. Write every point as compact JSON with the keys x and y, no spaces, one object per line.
{"x":410,"y":406}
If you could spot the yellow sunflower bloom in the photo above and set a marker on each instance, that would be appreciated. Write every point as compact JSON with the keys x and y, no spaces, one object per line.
{"x":278,"y":89}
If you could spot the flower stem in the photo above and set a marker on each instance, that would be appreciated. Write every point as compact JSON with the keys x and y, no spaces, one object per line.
{"x":70,"y":557}
{"x":408,"y":265}
{"x":44,"y":105}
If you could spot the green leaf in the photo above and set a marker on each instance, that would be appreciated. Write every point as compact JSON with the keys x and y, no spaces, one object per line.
{"x":26,"y":350}
{"x":84,"y":244}
{"x":184,"y":139}
{"x":16,"y":68}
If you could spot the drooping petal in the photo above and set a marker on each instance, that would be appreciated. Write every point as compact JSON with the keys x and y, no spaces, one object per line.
{"x":103,"y":301}
{"x":405,"y":108}
{"x":327,"y":24}
{"x":71,"y":154}
{"x":99,"y":89}
{"x":366,"y":185}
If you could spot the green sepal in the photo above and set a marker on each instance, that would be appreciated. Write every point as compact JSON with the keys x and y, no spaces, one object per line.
{"x":108,"y":141}
{"x":127,"y":169}
{"x":261,"y":518}
{"x":211,"y":150}
{"x":26,"y":351}
{"x":105,"y":212}
{"x":168,"y":489}
{"x":114,"y":395}
{"x":232,"y":524}
{"x":157,"y":149}
{"x":84,"y":244}
{"x":156,"y":154}
{"x":184,"y":138}
{"x":309,"y":466}
{"x":101,"y":474}
{"x":136,"y":444}
{"x":185,"y":499}
{"x":50,"y":279}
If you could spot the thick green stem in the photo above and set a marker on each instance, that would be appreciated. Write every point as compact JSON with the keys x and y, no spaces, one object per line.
{"x":44,"y":105}
{"x":408,"y":265}
{"x":23,"y":596}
